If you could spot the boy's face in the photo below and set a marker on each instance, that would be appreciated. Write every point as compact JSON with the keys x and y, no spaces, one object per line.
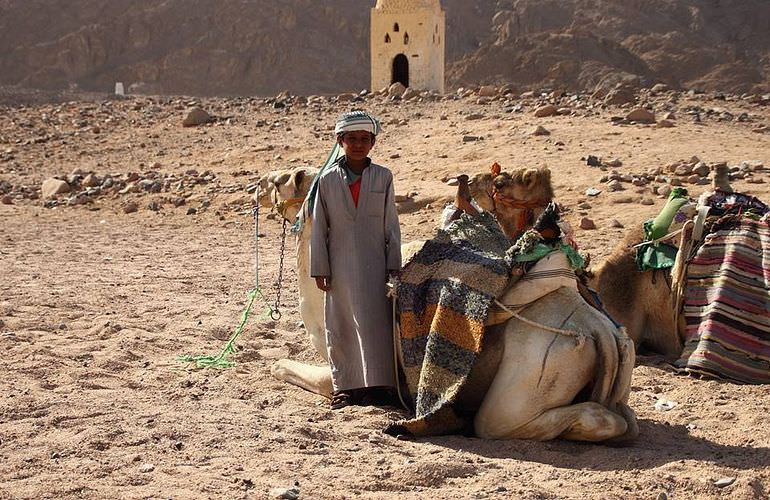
{"x":357,"y":144}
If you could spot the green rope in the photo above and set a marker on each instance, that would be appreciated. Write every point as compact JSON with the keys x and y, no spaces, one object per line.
{"x":221,"y":360}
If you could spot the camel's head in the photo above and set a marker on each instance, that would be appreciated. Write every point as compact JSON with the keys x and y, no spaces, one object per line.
{"x":285,"y":190}
{"x":520,"y":197}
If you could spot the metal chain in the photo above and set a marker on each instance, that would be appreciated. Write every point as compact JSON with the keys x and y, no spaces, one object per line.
{"x":276,"y":313}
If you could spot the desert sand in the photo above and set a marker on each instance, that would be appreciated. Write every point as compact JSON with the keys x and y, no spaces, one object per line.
{"x":96,"y":303}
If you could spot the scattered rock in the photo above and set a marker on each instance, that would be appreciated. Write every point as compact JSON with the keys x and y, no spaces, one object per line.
{"x":146,"y":468}
{"x":52,"y":187}
{"x":724,"y":482}
{"x":585,"y":206}
{"x":196,"y":116}
{"x":593,"y":191}
{"x":586,"y":223}
{"x":471,"y":138}
{"x":90,"y":181}
{"x":285,"y":493}
{"x":474,"y":116}
{"x":641,"y":115}
{"x":130,"y":207}
{"x":616,"y":223}
{"x":540,"y":130}
{"x":665,"y":124}
{"x":623,"y":199}
{"x":614,"y":185}
{"x":616,"y":163}
{"x":192,"y":211}
{"x":6,"y":199}
{"x":397,"y":89}
{"x":618,"y":97}
{"x":487,"y":91}
{"x":665,"y":405}
{"x":409,"y":94}
{"x":548,"y":110}
{"x":593,"y":161}
{"x":647,"y":201}
{"x":664,"y":190}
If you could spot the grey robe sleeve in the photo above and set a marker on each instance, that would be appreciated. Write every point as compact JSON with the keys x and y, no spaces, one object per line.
{"x":319,"y":238}
{"x":392,"y":230}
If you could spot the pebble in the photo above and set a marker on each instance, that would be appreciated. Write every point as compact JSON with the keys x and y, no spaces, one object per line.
{"x":647,"y":201}
{"x":470,"y":138}
{"x":616,"y":223}
{"x":285,"y":493}
{"x":130,"y":207}
{"x":724,"y":482}
{"x":593,"y":191}
{"x":614,"y":186}
{"x":6,"y":200}
{"x":474,"y":116}
{"x":147,"y":468}
{"x":664,"y":190}
{"x":665,"y":124}
{"x":665,"y":405}
{"x":586,"y":223}
{"x":540,"y":130}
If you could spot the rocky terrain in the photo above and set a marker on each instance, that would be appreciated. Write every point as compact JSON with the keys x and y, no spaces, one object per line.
{"x":258,"y":47}
{"x":127,"y":239}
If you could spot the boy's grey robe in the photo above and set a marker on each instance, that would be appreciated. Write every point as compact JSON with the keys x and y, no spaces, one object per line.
{"x":357,"y":247}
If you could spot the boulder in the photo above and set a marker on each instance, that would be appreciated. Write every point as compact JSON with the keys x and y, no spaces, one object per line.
{"x":641,"y":115}
{"x":618,"y":97}
{"x":488,"y":91}
{"x":196,"y":116}
{"x":397,"y":89}
{"x":53,"y":187}
{"x":548,"y":110}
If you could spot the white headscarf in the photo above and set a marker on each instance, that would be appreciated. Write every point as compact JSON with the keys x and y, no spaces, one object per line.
{"x":357,"y":120}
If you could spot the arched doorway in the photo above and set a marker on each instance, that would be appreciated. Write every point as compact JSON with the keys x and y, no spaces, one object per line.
{"x":400,"y":70}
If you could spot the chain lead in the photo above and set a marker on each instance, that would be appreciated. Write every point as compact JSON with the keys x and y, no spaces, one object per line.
{"x":276,"y":313}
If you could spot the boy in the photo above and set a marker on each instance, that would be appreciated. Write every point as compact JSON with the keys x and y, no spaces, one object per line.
{"x":355,"y":245}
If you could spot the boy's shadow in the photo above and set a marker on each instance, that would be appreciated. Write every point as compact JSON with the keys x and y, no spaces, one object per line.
{"x":658,"y":444}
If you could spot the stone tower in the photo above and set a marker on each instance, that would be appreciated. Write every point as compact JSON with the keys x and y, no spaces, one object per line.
{"x":408,"y":44}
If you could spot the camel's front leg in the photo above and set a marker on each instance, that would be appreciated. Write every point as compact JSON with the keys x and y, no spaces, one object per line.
{"x":316,"y":379}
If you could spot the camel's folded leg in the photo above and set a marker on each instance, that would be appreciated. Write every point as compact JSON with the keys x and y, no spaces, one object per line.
{"x":578,"y":422}
{"x":316,"y":379}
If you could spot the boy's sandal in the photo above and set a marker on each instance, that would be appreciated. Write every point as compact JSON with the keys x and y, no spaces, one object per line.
{"x":341,"y":399}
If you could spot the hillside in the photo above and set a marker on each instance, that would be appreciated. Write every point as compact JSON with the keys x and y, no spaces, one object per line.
{"x":260,"y":47}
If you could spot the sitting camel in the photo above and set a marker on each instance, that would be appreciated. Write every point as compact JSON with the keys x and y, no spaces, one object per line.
{"x":531,"y":381}
{"x":718,"y":332}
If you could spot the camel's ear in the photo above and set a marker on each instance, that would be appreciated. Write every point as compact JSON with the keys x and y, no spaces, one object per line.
{"x":299,"y":177}
{"x":281,"y":179}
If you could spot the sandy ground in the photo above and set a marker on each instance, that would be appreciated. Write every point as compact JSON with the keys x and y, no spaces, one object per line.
{"x":95,"y":304}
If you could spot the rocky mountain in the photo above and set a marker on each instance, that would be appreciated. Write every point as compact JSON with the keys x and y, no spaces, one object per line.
{"x":262,"y":47}
{"x":721,"y":45}
{"x":203,"y":47}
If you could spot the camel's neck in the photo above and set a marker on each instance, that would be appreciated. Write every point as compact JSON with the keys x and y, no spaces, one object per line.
{"x":303,"y":255}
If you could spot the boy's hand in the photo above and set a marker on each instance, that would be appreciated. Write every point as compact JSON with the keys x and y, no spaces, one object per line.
{"x":323,"y":283}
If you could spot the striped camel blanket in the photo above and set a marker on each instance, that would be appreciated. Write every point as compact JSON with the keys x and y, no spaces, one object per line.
{"x":444,"y":297}
{"x":727,"y":302}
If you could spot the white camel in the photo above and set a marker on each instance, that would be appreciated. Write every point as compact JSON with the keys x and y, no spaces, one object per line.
{"x":534,"y":379}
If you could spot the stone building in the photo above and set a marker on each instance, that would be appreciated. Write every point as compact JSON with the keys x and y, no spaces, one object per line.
{"x":407,"y":41}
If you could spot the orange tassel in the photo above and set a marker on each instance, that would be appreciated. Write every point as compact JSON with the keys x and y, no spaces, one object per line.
{"x":496,"y":168}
